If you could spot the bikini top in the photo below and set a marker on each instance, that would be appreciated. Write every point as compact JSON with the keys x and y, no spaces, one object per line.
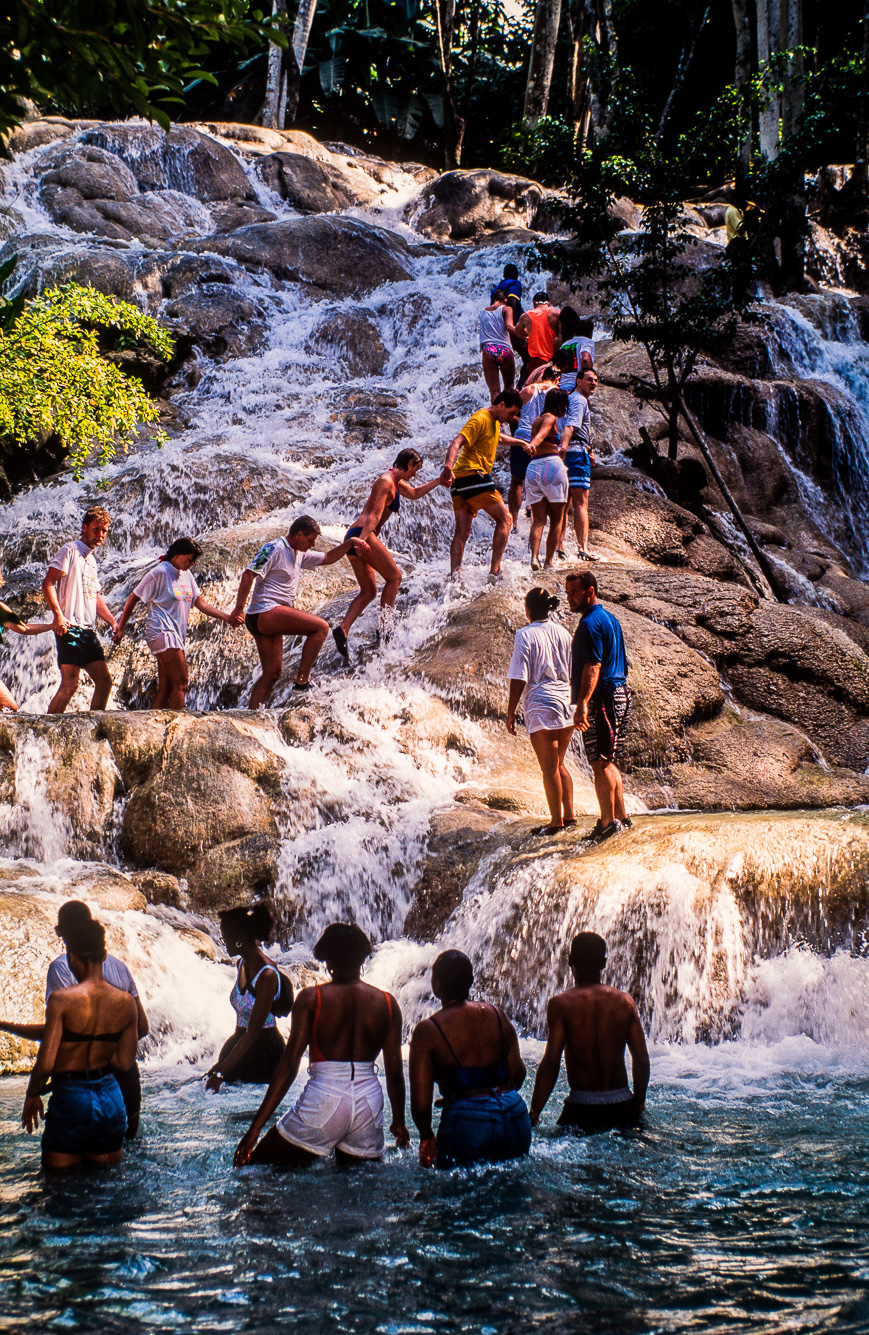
{"x":243,"y":1000}
{"x":395,"y":504}
{"x":314,"y":1047}
{"x":70,"y":1036}
{"x":461,"y":1081}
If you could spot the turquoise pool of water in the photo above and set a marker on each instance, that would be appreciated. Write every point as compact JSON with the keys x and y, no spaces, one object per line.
{"x":742,"y":1206}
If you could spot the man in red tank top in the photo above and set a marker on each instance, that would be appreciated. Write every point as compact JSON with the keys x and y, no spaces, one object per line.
{"x":542,"y":328}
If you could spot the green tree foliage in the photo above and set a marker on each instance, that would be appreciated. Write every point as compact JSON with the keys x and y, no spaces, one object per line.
{"x":54,"y":381}
{"x":114,"y":56}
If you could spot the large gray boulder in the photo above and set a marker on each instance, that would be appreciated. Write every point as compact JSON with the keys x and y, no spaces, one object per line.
{"x":182,"y":159}
{"x":311,"y":186}
{"x":463,"y":205}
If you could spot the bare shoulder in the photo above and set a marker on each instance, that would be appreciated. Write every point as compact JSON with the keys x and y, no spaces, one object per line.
{"x":305,"y":1000}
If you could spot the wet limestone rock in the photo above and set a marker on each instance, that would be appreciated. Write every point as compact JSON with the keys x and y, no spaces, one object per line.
{"x":458,"y":842}
{"x":462,"y":205}
{"x":311,"y":186}
{"x":352,"y":341}
{"x":182,"y":159}
{"x":219,"y":320}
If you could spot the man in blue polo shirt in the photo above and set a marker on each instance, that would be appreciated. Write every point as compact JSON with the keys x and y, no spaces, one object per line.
{"x":601,"y":697}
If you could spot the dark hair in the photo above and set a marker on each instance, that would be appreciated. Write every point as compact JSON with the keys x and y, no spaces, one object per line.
{"x":565,"y":359}
{"x":248,"y":923}
{"x":87,"y":941}
{"x":499,"y":294}
{"x":540,"y":296}
{"x":540,"y":602}
{"x":182,"y":547}
{"x":305,"y":525}
{"x":344,"y":946}
{"x":586,"y":328}
{"x":585,"y":370}
{"x":70,"y":917}
{"x":587,"y":951}
{"x":454,"y":974}
{"x":586,"y":578}
{"x":557,"y":402}
{"x":406,"y":458}
{"x":96,"y":512}
{"x":508,"y":398}
{"x":570,"y":323}
{"x":510,"y":271}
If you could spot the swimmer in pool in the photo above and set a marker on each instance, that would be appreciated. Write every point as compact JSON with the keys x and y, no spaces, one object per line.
{"x":385,"y":500}
{"x":592,"y":1024}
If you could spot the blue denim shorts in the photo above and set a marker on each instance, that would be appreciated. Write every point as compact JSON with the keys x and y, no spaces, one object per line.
{"x":85,"y":1117}
{"x":490,"y":1128}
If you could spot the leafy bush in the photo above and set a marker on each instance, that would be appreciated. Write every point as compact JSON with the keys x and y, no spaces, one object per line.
{"x":54,"y":381}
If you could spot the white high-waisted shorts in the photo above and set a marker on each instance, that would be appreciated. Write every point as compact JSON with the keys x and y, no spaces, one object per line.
{"x":546,"y":480}
{"x":341,"y":1107}
{"x":160,"y":641}
{"x":547,"y":705}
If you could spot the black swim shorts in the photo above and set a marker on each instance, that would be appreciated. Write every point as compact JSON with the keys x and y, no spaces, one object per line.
{"x":592,"y":1119}
{"x":519,"y":461}
{"x":78,"y":647}
{"x":251,"y":622}
{"x":608,"y":717}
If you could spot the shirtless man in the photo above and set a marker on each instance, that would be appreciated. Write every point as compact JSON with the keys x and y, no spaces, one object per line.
{"x":71,"y":590}
{"x":345,"y":1025}
{"x":541,"y":327}
{"x":592,"y":1025}
{"x":385,"y":500}
{"x":278,"y":566}
{"x":469,"y":463}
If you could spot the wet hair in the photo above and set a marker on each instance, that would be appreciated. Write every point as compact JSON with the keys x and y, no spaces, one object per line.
{"x":508,"y":398}
{"x":564,"y":359}
{"x":540,"y":602}
{"x":454,"y":974}
{"x":255,"y":922}
{"x":570,"y":323}
{"x":510,"y":271}
{"x":406,"y":458}
{"x":182,"y":547}
{"x":87,"y":941}
{"x":71,"y":916}
{"x":540,"y":296}
{"x":499,"y":294}
{"x":556,"y":402}
{"x":587,"y":579}
{"x":343,"y":946}
{"x":587,"y":951}
{"x":96,"y":512}
{"x":306,"y":526}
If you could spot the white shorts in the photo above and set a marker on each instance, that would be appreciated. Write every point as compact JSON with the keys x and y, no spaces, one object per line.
{"x":547,"y":706}
{"x":341,"y":1107}
{"x":546,"y":480}
{"x":160,"y":641}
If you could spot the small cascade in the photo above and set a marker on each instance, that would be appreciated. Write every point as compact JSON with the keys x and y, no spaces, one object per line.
{"x":30,"y":825}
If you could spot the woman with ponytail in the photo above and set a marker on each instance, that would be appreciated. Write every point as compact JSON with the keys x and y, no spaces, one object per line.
{"x":169,"y":591}
{"x":540,"y":678}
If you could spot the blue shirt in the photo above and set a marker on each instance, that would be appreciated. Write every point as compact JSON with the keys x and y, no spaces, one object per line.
{"x":599,"y":639}
{"x":513,"y":289}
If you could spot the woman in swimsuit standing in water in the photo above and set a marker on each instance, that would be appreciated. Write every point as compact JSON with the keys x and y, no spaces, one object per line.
{"x":385,"y":500}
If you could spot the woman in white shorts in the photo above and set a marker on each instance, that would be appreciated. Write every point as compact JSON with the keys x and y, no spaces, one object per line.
{"x":345,"y":1024}
{"x":169,"y":591}
{"x":546,"y":483}
{"x":540,"y":679}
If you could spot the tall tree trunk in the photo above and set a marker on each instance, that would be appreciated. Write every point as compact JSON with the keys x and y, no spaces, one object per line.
{"x":275,"y":106}
{"x":699,"y":17}
{"x":742,"y":72}
{"x":454,"y":126}
{"x":547,"y":15}
{"x":578,"y":101}
{"x":302,"y":29}
{"x":791,"y":39}
{"x":768,"y":27}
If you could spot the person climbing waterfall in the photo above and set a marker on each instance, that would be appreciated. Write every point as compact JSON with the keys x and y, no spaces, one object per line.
{"x":10,"y":620}
{"x":385,"y":500}
{"x":71,"y":917}
{"x":90,"y":1031}
{"x":169,"y":591}
{"x":578,"y":458}
{"x":577,"y":339}
{"x":541,"y":328}
{"x":496,"y":350}
{"x":71,"y":589}
{"x":592,"y":1024}
{"x":469,"y":463}
{"x":277,"y":568}
{"x":533,"y":397}
{"x":546,"y":481}
{"x":602,"y":698}
{"x":250,"y":1056}
{"x":344,"y":1024}
{"x":539,"y":676}
{"x":471,"y":1050}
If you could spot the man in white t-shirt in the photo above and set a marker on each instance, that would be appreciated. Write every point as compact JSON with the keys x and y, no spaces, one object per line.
{"x":71,"y":589}
{"x":275,"y":571}
{"x":578,"y":459}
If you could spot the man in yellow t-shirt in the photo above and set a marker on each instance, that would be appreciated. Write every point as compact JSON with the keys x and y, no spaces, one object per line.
{"x":470,"y":459}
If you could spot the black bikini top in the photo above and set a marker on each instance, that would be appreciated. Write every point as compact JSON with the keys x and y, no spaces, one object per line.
{"x":70,"y":1036}
{"x":460,"y":1081}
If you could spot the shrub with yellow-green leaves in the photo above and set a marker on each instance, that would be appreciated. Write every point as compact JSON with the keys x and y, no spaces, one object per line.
{"x":54,"y":380}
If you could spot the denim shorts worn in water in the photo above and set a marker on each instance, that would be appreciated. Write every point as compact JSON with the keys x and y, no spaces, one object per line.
{"x":85,"y":1117}
{"x":489,"y":1128}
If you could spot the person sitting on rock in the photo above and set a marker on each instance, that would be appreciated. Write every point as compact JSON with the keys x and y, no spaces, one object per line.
{"x":471,"y":1049}
{"x":71,"y":589}
{"x":385,"y":500}
{"x":10,"y":620}
{"x":276,"y":569}
{"x":470,"y":460}
{"x":169,"y":591}
{"x":496,"y":350}
{"x":250,"y":1056}
{"x":90,"y":1032}
{"x":71,"y":917}
{"x":345,"y":1025}
{"x":592,"y":1025}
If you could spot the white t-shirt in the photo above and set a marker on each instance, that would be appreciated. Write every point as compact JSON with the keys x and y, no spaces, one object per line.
{"x":541,"y":657}
{"x":77,"y":591}
{"x":115,"y":972}
{"x":530,"y":412}
{"x":579,"y":417}
{"x":278,"y":566}
{"x":169,"y":595}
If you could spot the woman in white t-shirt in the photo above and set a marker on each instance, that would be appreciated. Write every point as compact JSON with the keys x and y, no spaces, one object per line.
{"x":540,"y":678}
{"x":169,"y":591}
